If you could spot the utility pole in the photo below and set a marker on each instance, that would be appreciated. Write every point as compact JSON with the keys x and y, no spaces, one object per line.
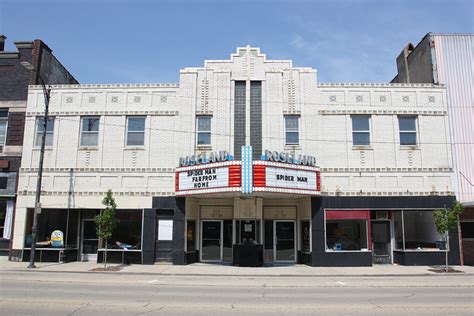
{"x":37,"y":210}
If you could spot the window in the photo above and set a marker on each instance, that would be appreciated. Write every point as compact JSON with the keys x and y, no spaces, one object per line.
{"x":128,"y":232}
{"x":52,"y":226}
{"x":135,"y":131}
{"x":191,"y":236}
{"x":40,"y":129}
{"x":305,"y":236}
{"x":407,"y":126}
{"x":416,"y":230}
{"x":90,"y":131}
{"x":346,"y":234}
{"x":346,"y":230}
{"x":467,"y":230}
{"x":360,"y":130}
{"x":3,"y":126}
{"x":247,"y":230}
{"x":3,"y":183}
{"x":203,"y":130}
{"x":3,"y":215}
{"x":292,"y":136}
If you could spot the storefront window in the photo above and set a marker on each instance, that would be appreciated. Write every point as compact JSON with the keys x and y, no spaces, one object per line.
{"x":268,"y":240}
{"x":305,"y":236}
{"x":398,"y":229}
{"x":52,"y":229}
{"x":73,"y":229}
{"x":191,"y":236}
{"x":128,"y":233}
{"x":3,"y":214}
{"x":416,"y":230}
{"x":227,"y":243}
{"x":346,"y":234}
{"x":420,"y":230}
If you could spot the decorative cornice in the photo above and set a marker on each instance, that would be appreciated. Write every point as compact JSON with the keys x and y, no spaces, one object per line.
{"x":377,"y":170}
{"x":100,"y":170}
{"x":384,"y":85}
{"x":389,"y":193}
{"x":383,"y":112}
{"x":9,"y":55}
{"x":97,"y":193}
{"x":98,"y":113}
{"x":108,"y":86}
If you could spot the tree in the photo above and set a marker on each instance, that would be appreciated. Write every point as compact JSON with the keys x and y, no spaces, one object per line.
{"x":446,"y":219}
{"x":106,"y":222}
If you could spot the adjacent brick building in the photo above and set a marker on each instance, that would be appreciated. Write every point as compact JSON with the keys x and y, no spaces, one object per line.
{"x":14,"y":81}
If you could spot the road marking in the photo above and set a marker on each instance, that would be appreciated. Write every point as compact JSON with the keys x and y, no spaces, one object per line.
{"x":152,"y":281}
{"x":341,"y":283}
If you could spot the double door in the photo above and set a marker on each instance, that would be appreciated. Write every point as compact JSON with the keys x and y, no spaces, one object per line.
{"x":216,"y":240}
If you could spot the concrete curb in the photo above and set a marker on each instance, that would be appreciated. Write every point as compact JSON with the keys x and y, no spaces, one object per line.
{"x":247,"y":275}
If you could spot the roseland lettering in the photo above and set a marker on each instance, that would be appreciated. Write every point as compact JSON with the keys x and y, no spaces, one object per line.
{"x":204,"y":158}
{"x":290,"y":158}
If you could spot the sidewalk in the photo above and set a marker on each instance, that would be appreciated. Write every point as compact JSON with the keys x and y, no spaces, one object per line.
{"x":203,"y":269}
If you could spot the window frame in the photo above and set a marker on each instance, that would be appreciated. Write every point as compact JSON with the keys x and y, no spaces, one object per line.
{"x":127,"y":131}
{"x":369,"y":119}
{"x":82,"y":132}
{"x":203,"y":132}
{"x":292,"y":129}
{"x":415,"y":131}
{"x":404,"y":247}
{"x":38,"y":133}
{"x":4,"y":119}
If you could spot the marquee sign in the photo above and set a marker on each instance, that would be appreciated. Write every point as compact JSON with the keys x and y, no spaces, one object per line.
{"x":277,"y":172}
{"x":209,"y":178}
{"x":286,"y":178}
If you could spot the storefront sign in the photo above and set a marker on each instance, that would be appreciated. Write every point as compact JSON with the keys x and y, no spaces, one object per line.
{"x":204,"y":158}
{"x":281,"y":156}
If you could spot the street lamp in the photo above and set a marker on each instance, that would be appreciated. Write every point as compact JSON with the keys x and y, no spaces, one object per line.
{"x":34,"y":230}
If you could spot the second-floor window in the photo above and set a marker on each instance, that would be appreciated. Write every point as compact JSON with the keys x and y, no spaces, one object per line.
{"x":292,"y":130}
{"x":407,"y":125}
{"x":90,"y":131}
{"x":3,"y":126}
{"x":40,"y":129}
{"x":135,"y":131}
{"x":360,"y":130}
{"x":203,"y":130}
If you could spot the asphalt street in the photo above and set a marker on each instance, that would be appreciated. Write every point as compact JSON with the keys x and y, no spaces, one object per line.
{"x":56,"y":293}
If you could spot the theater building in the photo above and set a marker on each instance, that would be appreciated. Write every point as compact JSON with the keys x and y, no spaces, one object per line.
{"x":246,"y":161}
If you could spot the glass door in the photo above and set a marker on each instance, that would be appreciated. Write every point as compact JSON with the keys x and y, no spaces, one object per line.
{"x":90,"y":241}
{"x":382,"y":250}
{"x":211,"y":241}
{"x":285,"y":242}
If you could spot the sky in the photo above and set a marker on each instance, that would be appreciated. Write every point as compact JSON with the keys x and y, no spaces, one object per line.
{"x":139,"y":41}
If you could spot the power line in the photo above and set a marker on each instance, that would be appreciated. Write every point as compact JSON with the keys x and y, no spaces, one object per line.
{"x":263,"y":137}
